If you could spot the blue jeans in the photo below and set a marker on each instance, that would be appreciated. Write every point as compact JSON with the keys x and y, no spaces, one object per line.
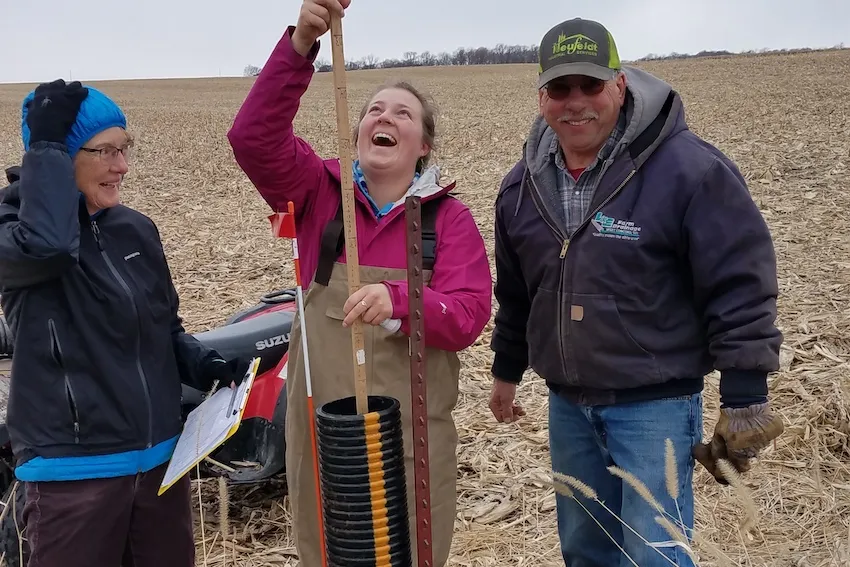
{"x":585,"y":440}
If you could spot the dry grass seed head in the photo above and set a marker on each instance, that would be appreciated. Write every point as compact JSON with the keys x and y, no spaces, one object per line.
{"x":750,"y":511}
{"x":587,"y":491}
{"x":670,"y":472}
{"x":223,"y":508}
{"x":638,"y":487}
{"x":563,"y":489}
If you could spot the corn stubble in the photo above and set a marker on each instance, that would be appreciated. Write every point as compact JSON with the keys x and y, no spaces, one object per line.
{"x":782,"y":118}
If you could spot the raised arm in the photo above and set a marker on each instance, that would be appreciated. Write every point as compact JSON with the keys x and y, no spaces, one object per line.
{"x":39,"y":239}
{"x":39,"y":223}
{"x":458,"y":300}
{"x":282,"y":166}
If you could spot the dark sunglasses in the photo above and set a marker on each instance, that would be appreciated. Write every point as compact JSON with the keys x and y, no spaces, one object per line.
{"x":559,"y":90}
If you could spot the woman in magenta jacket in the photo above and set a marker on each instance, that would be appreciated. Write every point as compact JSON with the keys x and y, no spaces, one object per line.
{"x":393,"y":141}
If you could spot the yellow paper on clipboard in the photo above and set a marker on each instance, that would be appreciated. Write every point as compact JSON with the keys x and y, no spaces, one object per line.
{"x":208,"y":426}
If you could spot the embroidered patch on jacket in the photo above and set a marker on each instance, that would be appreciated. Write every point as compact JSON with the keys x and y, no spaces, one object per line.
{"x":610,"y":227}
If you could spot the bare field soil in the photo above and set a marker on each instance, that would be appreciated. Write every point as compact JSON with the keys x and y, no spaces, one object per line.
{"x":784,"y":119}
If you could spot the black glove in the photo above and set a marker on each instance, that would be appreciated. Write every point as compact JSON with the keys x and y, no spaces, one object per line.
{"x":227,"y":372}
{"x":53,"y":110}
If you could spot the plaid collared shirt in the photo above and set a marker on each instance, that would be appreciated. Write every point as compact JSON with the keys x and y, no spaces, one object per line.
{"x":576,"y":196}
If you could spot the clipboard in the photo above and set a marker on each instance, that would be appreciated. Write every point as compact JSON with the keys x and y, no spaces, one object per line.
{"x":208,"y":426}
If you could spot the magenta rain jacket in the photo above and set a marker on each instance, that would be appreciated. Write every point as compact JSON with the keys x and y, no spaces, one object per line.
{"x":284,"y":167}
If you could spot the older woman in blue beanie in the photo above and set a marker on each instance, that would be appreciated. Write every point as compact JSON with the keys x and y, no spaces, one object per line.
{"x":100,"y":351}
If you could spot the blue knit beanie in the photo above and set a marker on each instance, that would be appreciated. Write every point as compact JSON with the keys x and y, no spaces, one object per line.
{"x":97,"y":113}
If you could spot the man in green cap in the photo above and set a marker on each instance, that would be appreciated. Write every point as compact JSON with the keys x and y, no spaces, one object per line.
{"x":631,"y":261}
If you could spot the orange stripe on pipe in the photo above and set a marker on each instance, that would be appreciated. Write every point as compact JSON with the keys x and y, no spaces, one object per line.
{"x":373,"y":437}
{"x":376,"y":478}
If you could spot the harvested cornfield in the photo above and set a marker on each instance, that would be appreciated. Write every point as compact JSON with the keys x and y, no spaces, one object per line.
{"x":782,"y":118}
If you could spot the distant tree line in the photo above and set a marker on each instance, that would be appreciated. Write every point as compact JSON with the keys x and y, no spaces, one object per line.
{"x":724,"y":53}
{"x":500,"y":55}
{"x":503,"y":54}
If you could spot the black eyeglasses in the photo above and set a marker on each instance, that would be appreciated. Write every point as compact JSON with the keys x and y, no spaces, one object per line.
{"x":559,"y":90}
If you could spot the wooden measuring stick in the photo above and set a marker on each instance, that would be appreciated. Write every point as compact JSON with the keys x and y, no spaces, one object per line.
{"x":348,"y":215}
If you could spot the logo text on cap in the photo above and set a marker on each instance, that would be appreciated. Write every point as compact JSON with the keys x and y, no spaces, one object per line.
{"x":578,"y":44}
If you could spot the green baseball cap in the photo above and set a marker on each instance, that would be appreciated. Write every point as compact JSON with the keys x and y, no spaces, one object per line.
{"x":577,"y":47}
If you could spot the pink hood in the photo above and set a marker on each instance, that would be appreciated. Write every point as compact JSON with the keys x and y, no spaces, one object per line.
{"x":284,"y":167}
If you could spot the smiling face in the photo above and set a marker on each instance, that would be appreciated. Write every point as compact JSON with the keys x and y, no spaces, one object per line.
{"x":99,"y":168}
{"x":582,"y":111}
{"x":396,"y":131}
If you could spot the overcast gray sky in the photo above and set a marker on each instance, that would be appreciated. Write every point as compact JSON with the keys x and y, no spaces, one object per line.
{"x":91,"y":40}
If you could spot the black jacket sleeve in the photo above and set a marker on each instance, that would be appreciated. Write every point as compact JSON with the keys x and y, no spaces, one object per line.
{"x":508,"y":341}
{"x":193,"y":357}
{"x":40,"y":233}
{"x":733,"y":269}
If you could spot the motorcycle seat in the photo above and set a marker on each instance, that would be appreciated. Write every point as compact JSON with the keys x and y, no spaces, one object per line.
{"x":265,"y":336}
